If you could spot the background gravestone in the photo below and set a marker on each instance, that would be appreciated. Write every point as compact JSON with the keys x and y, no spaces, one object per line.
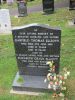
{"x":74,"y":21}
{"x":0,"y":2}
{"x":5,"y":23}
{"x":22,"y":8}
{"x":9,"y":2}
{"x":34,"y":46}
{"x":48,"y":6}
{"x":72,"y":5}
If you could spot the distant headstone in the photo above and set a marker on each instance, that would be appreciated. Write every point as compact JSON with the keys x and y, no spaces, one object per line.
{"x":34,"y":46}
{"x":4,"y":1}
{"x":22,"y":9}
{"x":9,"y":2}
{"x":5,"y":23}
{"x":0,"y":2}
{"x":74,"y":21}
{"x":72,"y":5}
{"x":48,"y":6}
{"x":31,"y":0}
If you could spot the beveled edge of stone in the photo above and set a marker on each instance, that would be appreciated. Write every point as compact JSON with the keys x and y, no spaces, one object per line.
{"x":35,"y":24}
{"x":26,"y":93}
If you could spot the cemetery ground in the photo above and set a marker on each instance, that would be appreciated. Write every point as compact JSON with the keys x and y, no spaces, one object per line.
{"x":8,"y":66}
{"x":29,"y":4}
{"x":14,"y":5}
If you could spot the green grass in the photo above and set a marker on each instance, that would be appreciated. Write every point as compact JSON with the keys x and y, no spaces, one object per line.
{"x":8,"y":66}
{"x":5,"y":5}
{"x":29,"y":4}
{"x":14,"y":5}
{"x":58,"y":19}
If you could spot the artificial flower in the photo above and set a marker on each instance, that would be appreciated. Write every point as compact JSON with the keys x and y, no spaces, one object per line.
{"x":53,"y":70}
{"x":63,"y":88}
{"x":68,"y":73}
{"x":51,"y":77}
{"x":65,"y":76}
{"x":61,"y":77}
{"x":49,"y":86}
{"x":48,"y":76}
{"x":51,"y":83}
{"x":55,"y":77}
{"x":53,"y":67}
{"x":55,"y":95}
{"x":54,"y":87}
{"x":65,"y":69}
{"x":50,"y":63}
{"x":57,"y":83}
{"x":63,"y":83}
{"x":60,"y":82}
{"x":61,"y":95}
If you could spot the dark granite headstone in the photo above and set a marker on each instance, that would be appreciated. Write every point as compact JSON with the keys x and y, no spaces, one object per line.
{"x":34,"y":46}
{"x":74,"y":21}
{"x":22,"y":9}
{"x":48,"y":6}
{"x":31,"y":0}
{"x":0,"y":2}
{"x":72,"y":5}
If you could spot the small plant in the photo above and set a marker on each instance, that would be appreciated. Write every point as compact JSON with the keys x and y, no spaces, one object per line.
{"x":20,"y":79}
{"x":57,"y":82}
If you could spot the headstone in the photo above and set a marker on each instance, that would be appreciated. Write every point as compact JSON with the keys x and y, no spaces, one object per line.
{"x":31,"y":0}
{"x":34,"y":46}
{"x":5,"y":23}
{"x":74,"y":21}
{"x":72,"y":5}
{"x":22,"y":9}
{"x":0,"y":2}
{"x":4,"y":1}
{"x":9,"y":2}
{"x":48,"y":6}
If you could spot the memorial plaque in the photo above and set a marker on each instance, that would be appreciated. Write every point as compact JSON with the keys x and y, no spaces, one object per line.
{"x":9,"y":2}
{"x":5,"y":22}
{"x":34,"y":46}
{"x":72,"y":5}
{"x":48,"y":6}
{"x":22,"y":9}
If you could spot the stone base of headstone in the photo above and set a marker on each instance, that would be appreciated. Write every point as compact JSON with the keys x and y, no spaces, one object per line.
{"x":30,"y":84}
{"x":26,"y":93}
{"x":74,"y":21}
{"x":48,"y":12}
{"x":22,"y":15}
{"x":71,"y":8}
{"x":71,"y":23}
{"x":30,"y":0}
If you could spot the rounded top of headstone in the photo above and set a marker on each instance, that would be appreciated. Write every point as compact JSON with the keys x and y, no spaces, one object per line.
{"x":34,"y":24}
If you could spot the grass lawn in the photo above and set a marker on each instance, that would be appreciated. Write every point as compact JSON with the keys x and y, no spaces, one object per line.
{"x":29,"y":4}
{"x":8,"y":66}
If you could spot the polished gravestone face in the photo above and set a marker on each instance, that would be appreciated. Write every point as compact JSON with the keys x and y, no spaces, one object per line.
{"x":72,"y":4}
{"x":22,"y":8}
{"x":48,"y":6}
{"x":5,"y":22}
{"x":34,"y":46}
